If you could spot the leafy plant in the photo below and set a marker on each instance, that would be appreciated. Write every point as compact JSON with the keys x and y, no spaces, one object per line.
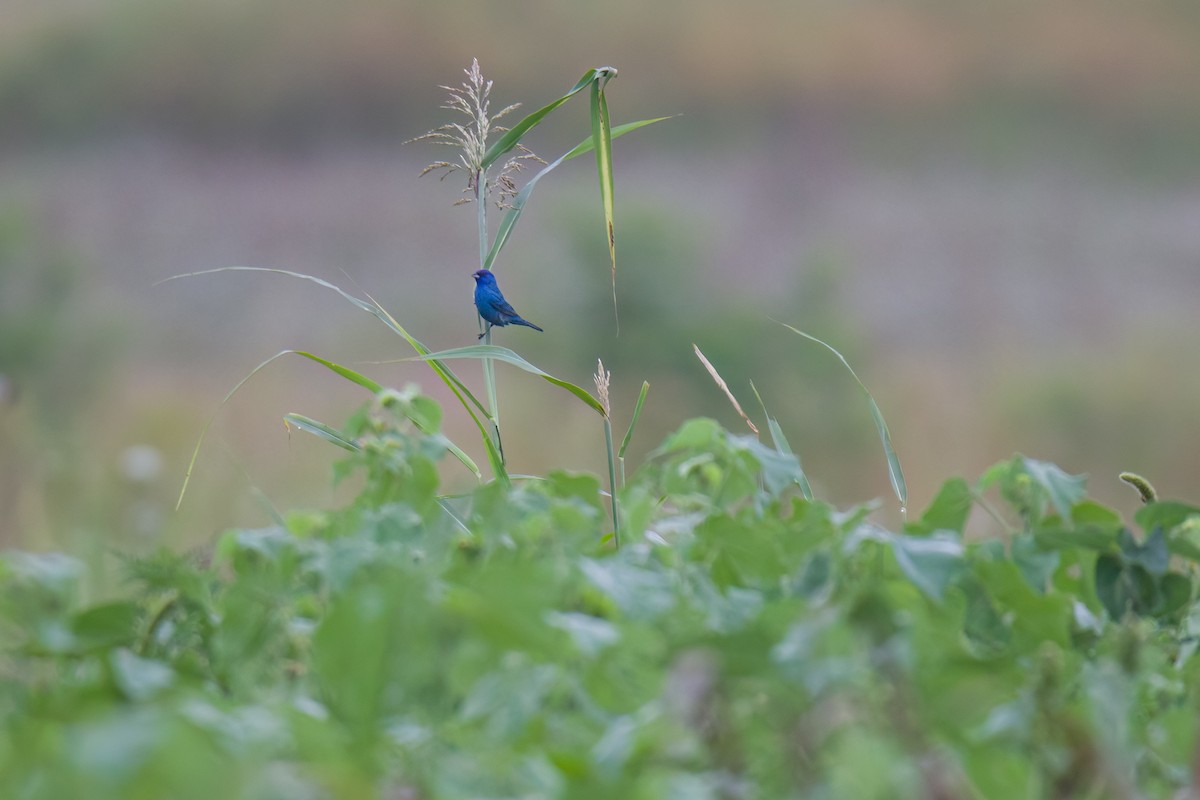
{"x":745,"y":641}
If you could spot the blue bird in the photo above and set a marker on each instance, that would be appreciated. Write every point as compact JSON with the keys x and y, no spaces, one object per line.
{"x":492,"y":306}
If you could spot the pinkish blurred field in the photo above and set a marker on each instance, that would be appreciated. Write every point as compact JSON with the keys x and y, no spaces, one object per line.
{"x":994,"y":213}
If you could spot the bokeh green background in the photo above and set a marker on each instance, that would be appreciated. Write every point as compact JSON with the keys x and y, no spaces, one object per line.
{"x":992,"y":208}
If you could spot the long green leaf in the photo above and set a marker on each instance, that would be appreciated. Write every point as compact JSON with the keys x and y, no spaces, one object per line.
{"x":510,"y":139}
{"x":344,"y":372}
{"x":347,"y":373}
{"x":375,"y":388}
{"x":781,"y":444}
{"x":187,"y":476}
{"x":375,"y":309}
{"x":518,"y":203}
{"x":602,"y":140}
{"x":637,"y":413}
{"x":480,"y":351}
{"x":321,"y":430}
{"x":895,"y":473}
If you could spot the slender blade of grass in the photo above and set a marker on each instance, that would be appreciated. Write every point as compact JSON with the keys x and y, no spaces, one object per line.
{"x":781,"y":444}
{"x":347,"y":373}
{"x":510,"y":139}
{"x":637,"y":413}
{"x":483,"y":351}
{"x":187,"y":476}
{"x":338,"y":369}
{"x":602,"y":139}
{"x":724,"y":387}
{"x":321,"y":430}
{"x":379,"y":312}
{"x":372,"y":307}
{"x":895,"y":473}
{"x":612,"y":482}
{"x":518,"y":203}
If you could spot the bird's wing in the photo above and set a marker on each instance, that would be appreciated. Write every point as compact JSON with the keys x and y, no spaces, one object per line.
{"x":502,"y":306}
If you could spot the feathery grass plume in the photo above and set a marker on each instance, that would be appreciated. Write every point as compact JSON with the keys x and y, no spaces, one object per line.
{"x":473,"y":100}
{"x":603,"y":378}
{"x":724,"y":387}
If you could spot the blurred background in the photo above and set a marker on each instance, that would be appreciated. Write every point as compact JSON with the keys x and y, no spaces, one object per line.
{"x":991,"y":208}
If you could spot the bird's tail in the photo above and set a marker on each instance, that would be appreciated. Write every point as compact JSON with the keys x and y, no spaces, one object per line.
{"x":525,"y":322}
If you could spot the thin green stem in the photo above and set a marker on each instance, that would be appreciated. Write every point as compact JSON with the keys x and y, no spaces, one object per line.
{"x":481,"y":187}
{"x":612,"y":481}
{"x":489,"y":367}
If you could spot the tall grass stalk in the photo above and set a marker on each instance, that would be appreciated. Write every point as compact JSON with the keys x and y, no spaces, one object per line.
{"x":477,"y":157}
{"x":603,"y":377}
{"x":637,"y":413}
{"x":489,"y":367}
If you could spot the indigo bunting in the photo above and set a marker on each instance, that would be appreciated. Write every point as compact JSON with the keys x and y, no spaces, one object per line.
{"x":491,"y":303}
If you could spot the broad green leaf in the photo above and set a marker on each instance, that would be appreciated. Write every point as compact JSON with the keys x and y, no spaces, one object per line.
{"x":895,"y":473}
{"x":1167,"y":514}
{"x":638,"y":592}
{"x":139,"y":679}
{"x":1063,"y":490}
{"x":931,"y":563}
{"x":482,"y":351}
{"x":1092,"y":537}
{"x":1089,"y":512}
{"x":1033,"y":617}
{"x":590,"y":634}
{"x":1175,"y":592}
{"x":949,"y":509}
{"x":983,"y":625}
{"x":1035,"y":564}
{"x":1151,"y":554}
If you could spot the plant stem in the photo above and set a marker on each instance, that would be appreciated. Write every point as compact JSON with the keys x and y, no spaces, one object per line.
{"x":489,"y":367}
{"x":612,"y":481}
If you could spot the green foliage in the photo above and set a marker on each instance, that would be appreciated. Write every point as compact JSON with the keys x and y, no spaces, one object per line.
{"x":744,"y":642}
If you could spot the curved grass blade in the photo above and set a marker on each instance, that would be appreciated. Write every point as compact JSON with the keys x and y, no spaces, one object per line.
{"x":322,"y":431}
{"x":375,"y":309}
{"x":508,"y":356}
{"x":187,"y":476}
{"x":344,"y":372}
{"x":724,"y":387}
{"x":518,"y":203}
{"x":602,"y":140}
{"x":781,"y":444}
{"x":347,"y":373}
{"x":893,"y":461}
{"x":510,"y":139}
{"x":637,"y":412}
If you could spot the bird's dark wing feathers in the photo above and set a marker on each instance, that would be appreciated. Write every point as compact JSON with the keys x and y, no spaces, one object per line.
{"x":502,"y":307}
